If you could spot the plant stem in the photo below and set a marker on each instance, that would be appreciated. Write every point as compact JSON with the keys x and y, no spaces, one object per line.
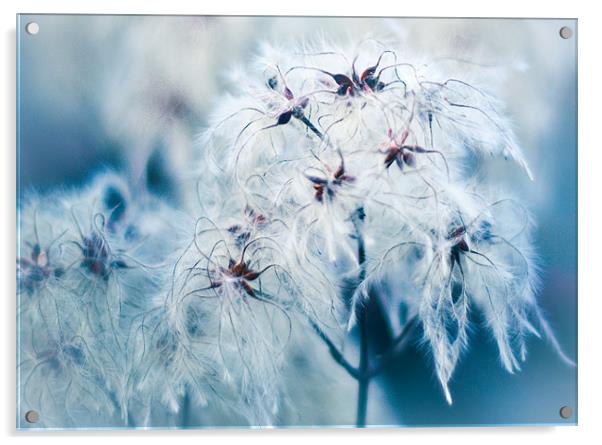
{"x":336,"y":354}
{"x":364,"y":378}
{"x":185,"y":410}
{"x":396,"y":347}
{"x":311,"y":126}
{"x":364,"y":372}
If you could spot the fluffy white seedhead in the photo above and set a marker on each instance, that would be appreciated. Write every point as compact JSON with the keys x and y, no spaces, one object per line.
{"x":86,"y":268}
{"x":371,"y":164}
{"x":224,"y":322}
{"x":326,"y":175}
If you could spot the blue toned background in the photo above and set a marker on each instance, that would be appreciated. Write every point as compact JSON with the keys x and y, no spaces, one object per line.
{"x":98,"y":91}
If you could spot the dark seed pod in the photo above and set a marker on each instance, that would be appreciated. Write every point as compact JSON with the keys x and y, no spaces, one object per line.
{"x":272,"y":82}
{"x":343,"y":90}
{"x":288,"y":94}
{"x":399,"y":162}
{"x":371,"y":82}
{"x":234,"y":228}
{"x":303,"y":103}
{"x":319,"y":195}
{"x":368,"y":74}
{"x":119,"y":264}
{"x":342,"y":80}
{"x":284,"y":118}
{"x":391,"y":156}
{"x":317,"y":180}
{"x":35,"y":252}
{"x":409,"y":158}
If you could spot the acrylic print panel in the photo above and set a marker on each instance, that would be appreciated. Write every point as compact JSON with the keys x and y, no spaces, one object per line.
{"x":292,"y":222}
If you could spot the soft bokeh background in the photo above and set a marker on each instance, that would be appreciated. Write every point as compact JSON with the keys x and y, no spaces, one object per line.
{"x":116,"y":91}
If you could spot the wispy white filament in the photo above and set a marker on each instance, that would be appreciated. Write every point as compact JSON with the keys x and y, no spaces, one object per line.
{"x":313,"y":152}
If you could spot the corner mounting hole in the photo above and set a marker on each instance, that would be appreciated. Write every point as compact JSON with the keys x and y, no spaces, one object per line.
{"x":566,"y":32}
{"x":32,"y":416}
{"x":32,"y":28}
{"x":566,"y":412}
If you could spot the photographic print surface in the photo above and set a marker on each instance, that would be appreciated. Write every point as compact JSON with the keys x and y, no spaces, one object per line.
{"x":295,"y":222}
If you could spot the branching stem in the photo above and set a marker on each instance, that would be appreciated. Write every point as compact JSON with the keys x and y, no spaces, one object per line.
{"x":395,"y":348}
{"x":311,"y":126}
{"x":364,"y":372}
{"x":364,"y":363}
{"x":336,"y":354}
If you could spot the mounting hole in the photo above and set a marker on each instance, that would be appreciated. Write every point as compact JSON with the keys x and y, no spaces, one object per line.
{"x":32,"y":416}
{"x":32,"y":28}
{"x":566,"y":32}
{"x":566,"y":412}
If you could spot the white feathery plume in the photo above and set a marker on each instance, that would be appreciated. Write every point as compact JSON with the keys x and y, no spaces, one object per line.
{"x":327,"y":176}
{"x":82,"y":275}
{"x":333,"y":132}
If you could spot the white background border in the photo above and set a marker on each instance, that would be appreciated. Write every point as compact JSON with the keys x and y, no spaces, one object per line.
{"x":590,"y":223}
